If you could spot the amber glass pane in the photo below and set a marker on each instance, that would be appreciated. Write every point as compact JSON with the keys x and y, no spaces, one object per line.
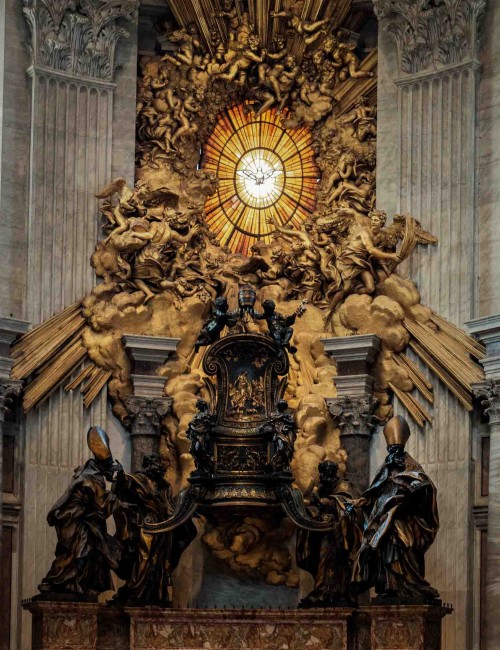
{"x":263,"y":170}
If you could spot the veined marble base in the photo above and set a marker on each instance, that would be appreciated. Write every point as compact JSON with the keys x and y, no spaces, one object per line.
{"x":89,"y":626}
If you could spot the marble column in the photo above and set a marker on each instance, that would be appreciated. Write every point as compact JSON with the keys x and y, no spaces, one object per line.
{"x":427,"y":145}
{"x":10,"y":389}
{"x":487,"y":329}
{"x":82,"y":109}
{"x":148,"y":404}
{"x":353,"y":408}
{"x":10,"y":488}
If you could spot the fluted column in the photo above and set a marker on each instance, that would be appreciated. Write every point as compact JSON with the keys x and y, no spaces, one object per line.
{"x":353,"y":408}
{"x":427,"y":148}
{"x":75,"y":129}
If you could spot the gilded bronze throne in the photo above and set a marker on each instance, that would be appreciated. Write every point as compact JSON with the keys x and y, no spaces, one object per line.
{"x":242,"y":442}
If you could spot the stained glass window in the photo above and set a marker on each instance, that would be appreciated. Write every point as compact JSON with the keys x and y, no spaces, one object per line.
{"x":263,"y":170}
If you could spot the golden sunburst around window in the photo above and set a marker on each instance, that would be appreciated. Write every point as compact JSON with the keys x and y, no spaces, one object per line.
{"x":263,"y":171}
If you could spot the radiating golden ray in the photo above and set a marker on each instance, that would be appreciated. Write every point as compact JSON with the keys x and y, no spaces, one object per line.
{"x":242,"y":149}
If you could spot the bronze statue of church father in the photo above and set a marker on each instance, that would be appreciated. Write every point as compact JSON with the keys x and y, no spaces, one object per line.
{"x":242,"y":442}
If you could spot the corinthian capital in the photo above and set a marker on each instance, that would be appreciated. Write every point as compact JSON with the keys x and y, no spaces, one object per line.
{"x":9,"y":390}
{"x":353,"y":416}
{"x":77,"y":37}
{"x":489,"y":393}
{"x":146,"y":413}
{"x":432,"y":33}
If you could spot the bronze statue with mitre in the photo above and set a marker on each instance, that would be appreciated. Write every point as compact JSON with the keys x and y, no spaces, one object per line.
{"x":402,"y":522}
{"x":85,"y":552}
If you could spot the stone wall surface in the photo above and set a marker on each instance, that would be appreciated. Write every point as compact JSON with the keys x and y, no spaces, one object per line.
{"x":428,"y":77}
{"x":489,"y":167}
{"x":81,"y":131}
{"x":14,"y":153}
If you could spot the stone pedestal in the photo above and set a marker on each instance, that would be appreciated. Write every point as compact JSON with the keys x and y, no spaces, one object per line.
{"x":84,"y":626}
{"x":63,"y":625}
{"x":352,"y":410}
{"x":405,"y":627}
{"x":148,"y":404}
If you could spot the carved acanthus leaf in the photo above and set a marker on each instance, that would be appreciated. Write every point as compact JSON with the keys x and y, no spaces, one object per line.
{"x":9,"y":390}
{"x":489,"y":394}
{"x":353,"y":416}
{"x":77,"y":37}
{"x":432,"y":33}
{"x":146,"y":413}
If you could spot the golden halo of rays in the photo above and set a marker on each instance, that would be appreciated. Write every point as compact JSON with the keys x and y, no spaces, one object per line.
{"x":241,"y":141}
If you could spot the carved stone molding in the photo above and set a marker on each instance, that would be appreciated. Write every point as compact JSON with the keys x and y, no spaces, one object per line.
{"x":146,"y":413}
{"x":489,"y":393}
{"x":353,"y":416}
{"x":9,"y":390}
{"x":78,"y":38}
{"x":432,"y":33}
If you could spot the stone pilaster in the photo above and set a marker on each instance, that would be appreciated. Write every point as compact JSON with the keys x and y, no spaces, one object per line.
{"x":146,"y":414}
{"x":148,"y":404}
{"x":487,"y":329}
{"x":72,"y":70}
{"x":10,"y":389}
{"x":352,"y":410}
{"x":354,"y":417}
{"x":10,"y":470}
{"x":75,"y":129}
{"x":427,"y":145}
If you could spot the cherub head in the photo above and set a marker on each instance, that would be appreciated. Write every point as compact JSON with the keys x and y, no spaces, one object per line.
{"x":377,"y":219}
{"x":254,"y":42}
{"x":290,"y":62}
{"x":328,"y":473}
{"x":220,"y":304}
{"x":269,"y":307}
{"x":279,"y":42}
{"x":202,"y":406}
{"x":152,"y":467}
{"x":330,"y":43}
{"x":282,"y":405}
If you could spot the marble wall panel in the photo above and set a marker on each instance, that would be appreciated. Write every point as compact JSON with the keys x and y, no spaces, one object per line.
{"x":433,"y":176}
{"x":14,"y":154}
{"x":489,"y":165}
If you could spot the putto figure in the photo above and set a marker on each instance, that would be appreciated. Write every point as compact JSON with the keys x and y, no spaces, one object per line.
{"x":85,"y":553}
{"x":213,"y":327}
{"x":402,"y":523}
{"x":282,"y":432}
{"x":199,"y":432}
{"x":329,"y":556}
{"x":279,"y":326}
{"x":148,"y":560}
